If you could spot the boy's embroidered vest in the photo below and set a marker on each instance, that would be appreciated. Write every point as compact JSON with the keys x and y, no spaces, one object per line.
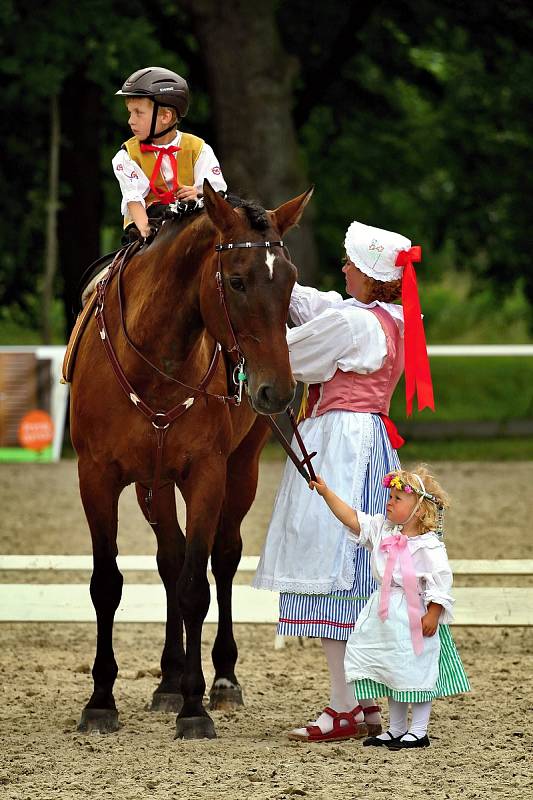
{"x":352,"y":391}
{"x":187,"y":157}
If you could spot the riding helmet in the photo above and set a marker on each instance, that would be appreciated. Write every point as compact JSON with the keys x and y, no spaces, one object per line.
{"x":164,"y":87}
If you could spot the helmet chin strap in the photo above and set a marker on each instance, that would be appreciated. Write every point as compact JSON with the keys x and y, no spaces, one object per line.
{"x":153,"y":135}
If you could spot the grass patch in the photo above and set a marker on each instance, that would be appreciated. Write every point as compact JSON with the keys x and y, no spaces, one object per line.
{"x":475,"y":388}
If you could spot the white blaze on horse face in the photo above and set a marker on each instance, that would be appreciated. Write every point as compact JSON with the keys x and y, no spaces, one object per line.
{"x":269,"y":261}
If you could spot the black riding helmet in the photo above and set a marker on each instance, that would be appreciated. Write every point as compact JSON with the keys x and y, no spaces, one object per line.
{"x":164,"y":88}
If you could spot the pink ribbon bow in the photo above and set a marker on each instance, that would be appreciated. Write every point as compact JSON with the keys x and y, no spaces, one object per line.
{"x":396,"y":547}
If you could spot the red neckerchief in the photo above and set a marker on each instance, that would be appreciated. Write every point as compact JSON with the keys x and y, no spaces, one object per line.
{"x":165,"y":196}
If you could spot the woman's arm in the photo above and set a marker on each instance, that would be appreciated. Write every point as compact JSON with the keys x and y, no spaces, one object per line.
{"x":345,"y":513}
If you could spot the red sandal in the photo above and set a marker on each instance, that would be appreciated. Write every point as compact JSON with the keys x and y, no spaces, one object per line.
{"x":374,"y":728}
{"x":351,"y":730}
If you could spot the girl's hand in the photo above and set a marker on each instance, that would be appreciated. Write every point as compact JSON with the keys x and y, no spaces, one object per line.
{"x":430,"y":620}
{"x":319,"y":485}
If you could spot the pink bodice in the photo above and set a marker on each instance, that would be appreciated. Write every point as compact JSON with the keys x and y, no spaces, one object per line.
{"x":353,"y":391}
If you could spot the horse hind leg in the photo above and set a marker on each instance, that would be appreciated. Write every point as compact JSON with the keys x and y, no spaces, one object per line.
{"x":241,"y":486}
{"x":99,"y":494}
{"x":170,"y":555}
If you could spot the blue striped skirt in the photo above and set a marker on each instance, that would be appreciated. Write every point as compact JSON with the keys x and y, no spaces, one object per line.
{"x":333,"y":615}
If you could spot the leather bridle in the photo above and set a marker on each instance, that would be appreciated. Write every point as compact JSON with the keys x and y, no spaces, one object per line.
{"x":161,"y":420}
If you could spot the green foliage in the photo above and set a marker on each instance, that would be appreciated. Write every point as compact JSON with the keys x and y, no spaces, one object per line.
{"x":414,"y":116}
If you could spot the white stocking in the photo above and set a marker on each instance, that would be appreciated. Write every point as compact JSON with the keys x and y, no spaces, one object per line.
{"x":420,"y":721}
{"x":341,"y":696}
{"x":397,"y":719}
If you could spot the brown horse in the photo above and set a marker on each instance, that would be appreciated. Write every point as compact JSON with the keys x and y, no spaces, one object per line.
{"x":167,"y":303}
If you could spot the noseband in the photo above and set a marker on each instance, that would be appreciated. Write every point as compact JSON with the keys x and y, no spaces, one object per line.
{"x":239,"y":374}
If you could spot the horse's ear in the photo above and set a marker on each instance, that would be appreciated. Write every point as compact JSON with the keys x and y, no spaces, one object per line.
{"x":290,"y":213}
{"x":219,"y":211}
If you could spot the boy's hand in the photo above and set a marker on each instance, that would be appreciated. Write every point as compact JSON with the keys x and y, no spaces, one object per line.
{"x":430,"y":620}
{"x":186,"y":193}
{"x":319,"y":485}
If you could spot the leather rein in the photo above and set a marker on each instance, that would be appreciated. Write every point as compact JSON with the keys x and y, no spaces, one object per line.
{"x":161,"y":420}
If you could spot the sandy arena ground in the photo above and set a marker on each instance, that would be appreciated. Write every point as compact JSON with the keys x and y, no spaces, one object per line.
{"x":481,"y":743}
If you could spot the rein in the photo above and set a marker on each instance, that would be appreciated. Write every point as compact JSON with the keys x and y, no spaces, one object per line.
{"x":161,"y":420}
{"x":276,"y":430}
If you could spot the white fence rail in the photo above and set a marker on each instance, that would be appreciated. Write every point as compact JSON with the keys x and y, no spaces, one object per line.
{"x":59,"y":602}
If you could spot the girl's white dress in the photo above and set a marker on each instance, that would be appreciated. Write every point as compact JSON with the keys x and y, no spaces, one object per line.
{"x":382,"y":651}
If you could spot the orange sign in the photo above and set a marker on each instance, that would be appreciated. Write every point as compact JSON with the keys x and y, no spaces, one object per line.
{"x":36,"y":430}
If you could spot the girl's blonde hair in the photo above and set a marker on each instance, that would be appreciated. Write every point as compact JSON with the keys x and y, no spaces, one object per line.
{"x":431,"y":508}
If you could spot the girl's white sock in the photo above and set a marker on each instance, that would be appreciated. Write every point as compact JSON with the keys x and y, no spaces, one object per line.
{"x":397,"y":719}
{"x":419,"y":723}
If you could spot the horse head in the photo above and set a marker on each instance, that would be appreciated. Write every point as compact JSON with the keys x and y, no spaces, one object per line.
{"x":255,"y":278}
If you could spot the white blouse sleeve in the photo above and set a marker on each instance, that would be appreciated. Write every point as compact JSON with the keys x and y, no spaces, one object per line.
{"x":307,"y":303}
{"x":438,"y":583}
{"x":207,"y":166}
{"x":370,"y":527}
{"x":347,"y":338}
{"x":133,"y":183}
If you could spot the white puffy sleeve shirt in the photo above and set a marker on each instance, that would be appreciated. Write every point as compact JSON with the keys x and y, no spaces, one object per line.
{"x":332,"y":334}
{"x":428,"y":553}
{"x":135,"y":185}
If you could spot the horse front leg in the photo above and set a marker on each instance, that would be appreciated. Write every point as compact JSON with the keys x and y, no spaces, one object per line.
{"x":99,"y":494}
{"x":170,"y":555}
{"x":203,"y":492}
{"x":241,"y":486}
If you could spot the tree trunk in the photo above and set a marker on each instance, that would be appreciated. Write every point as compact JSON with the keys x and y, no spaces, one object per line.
{"x":80,"y":217}
{"x":50,"y":266}
{"x":250,"y":79}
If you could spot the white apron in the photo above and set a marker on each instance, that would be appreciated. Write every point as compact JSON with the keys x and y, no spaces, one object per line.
{"x":383,"y":650}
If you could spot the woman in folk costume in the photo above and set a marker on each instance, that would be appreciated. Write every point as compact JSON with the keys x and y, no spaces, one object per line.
{"x":352,"y":353}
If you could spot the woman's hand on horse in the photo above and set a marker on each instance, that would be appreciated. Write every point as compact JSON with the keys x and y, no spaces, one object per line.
{"x":319,"y":485}
{"x":186,"y":193}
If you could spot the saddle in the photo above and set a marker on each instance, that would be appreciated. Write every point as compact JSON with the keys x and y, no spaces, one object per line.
{"x":86,"y":298}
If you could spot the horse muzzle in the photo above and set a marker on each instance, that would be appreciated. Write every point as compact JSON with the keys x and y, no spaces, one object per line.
{"x":268,"y":398}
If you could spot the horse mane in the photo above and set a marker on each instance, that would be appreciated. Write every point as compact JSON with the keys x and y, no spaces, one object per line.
{"x":255,"y":214}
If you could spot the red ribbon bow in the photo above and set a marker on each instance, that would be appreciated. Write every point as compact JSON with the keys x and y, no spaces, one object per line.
{"x":417,"y":372}
{"x":169,"y":195}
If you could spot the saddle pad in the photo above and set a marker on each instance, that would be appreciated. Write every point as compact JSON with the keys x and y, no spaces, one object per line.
{"x":75,"y":337}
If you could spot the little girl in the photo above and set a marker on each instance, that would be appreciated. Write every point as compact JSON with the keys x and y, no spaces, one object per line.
{"x":394,"y":650}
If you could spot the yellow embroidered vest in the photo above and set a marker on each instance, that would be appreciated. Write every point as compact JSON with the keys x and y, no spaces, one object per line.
{"x":187,"y":157}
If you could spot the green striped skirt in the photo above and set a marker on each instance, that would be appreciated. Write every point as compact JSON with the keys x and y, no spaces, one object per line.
{"x":452,"y":678}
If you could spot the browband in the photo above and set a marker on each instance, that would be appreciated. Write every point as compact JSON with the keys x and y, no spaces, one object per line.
{"x":234,"y":246}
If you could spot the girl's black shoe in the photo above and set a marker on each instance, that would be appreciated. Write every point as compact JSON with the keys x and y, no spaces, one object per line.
{"x":375,"y":741}
{"x":397,"y":744}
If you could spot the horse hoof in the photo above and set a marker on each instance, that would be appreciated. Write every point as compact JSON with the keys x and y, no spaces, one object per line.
{"x":98,"y":720}
{"x":225,"y":697}
{"x":164,"y":701}
{"x":195,"y":728}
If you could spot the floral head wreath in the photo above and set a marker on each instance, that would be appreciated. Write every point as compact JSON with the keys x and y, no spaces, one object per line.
{"x":393,"y":481}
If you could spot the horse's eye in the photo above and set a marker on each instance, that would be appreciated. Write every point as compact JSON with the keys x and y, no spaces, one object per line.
{"x":237,"y":283}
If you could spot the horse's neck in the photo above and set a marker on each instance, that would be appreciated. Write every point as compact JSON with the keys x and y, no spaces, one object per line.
{"x":162,"y":309}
